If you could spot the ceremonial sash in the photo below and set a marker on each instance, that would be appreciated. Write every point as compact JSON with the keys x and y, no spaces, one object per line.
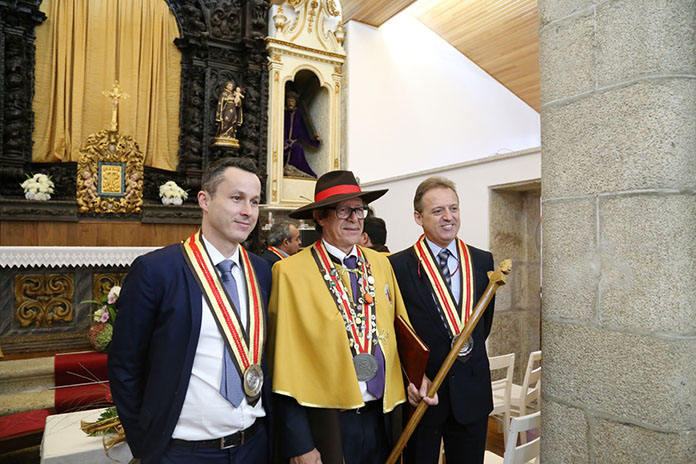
{"x":246,"y":346}
{"x":455,"y":315}
{"x":276,"y":251}
{"x":359,"y":343}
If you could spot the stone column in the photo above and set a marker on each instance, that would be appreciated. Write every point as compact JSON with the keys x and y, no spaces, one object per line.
{"x":618,"y":113}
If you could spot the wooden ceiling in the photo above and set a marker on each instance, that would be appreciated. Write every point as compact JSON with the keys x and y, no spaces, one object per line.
{"x":500,"y":36}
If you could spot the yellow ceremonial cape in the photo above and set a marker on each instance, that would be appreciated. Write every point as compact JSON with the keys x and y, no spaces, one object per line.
{"x":308,"y":344}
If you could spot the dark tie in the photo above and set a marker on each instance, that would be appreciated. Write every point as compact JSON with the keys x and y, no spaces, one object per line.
{"x":231,"y":384}
{"x":443,"y":256}
{"x":375,"y":386}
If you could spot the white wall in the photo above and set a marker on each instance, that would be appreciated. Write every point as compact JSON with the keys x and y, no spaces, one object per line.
{"x":414,"y":103}
{"x":473,"y":179}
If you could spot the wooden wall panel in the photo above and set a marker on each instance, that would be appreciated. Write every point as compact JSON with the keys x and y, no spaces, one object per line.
{"x":372,"y":12}
{"x":91,"y":233}
{"x":500,"y":36}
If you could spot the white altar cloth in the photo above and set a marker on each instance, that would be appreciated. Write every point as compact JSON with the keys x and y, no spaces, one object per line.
{"x":64,"y":443}
{"x":34,"y":256}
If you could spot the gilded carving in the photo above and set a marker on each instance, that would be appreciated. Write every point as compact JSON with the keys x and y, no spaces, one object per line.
{"x":331,"y":8}
{"x":110,"y":174}
{"x":271,"y":40}
{"x":110,"y":168}
{"x":102,"y":283}
{"x":312,"y":13}
{"x":115,"y":95}
{"x":42,"y":299}
{"x":111,"y":178}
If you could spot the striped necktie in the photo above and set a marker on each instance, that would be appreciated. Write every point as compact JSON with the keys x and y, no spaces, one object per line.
{"x":443,"y":257}
{"x":231,"y":384}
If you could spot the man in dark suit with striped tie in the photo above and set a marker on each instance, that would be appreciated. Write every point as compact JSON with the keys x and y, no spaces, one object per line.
{"x":186,"y":362}
{"x":441,"y":279}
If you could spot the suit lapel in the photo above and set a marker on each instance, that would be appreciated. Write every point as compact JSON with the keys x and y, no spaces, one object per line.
{"x":196,"y":304}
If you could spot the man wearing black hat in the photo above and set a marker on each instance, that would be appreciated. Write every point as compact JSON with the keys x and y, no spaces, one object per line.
{"x":336,"y":369}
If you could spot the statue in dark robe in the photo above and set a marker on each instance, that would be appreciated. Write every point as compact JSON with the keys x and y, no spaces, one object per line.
{"x":297,"y":134}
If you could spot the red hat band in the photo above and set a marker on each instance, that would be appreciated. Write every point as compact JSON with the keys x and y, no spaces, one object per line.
{"x":336,"y":190}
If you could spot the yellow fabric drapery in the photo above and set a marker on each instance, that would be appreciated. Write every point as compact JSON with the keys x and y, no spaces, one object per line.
{"x":81,"y":49}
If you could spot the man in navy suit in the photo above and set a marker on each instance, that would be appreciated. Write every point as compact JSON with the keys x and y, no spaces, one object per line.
{"x":441,"y":279}
{"x":186,"y":361}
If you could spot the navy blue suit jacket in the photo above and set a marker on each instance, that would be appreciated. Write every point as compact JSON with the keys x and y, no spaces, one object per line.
{"x":154,"y":343}
{"x":466,"y":390}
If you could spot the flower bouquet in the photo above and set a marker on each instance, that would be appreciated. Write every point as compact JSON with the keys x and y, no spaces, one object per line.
{"x":38,"y":187}
{"x":103,"y":318}
{"x":172,"y":194}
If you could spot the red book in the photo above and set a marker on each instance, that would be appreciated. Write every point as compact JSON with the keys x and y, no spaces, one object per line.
{"x":412,"y":352}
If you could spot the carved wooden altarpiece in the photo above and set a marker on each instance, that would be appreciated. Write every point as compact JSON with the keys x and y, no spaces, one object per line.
{"x":219,"y":40}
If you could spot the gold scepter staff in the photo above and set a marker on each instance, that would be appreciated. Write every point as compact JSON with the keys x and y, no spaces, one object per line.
{"x":495,"y":280}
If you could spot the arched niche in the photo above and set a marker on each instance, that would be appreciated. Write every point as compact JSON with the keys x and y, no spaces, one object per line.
{"x":305,"y":54}
{"x":312,"y":103}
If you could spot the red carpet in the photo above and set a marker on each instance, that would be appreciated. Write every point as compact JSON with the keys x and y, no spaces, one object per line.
{"x":81,"y":368}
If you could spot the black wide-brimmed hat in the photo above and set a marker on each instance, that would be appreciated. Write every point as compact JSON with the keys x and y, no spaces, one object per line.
{"x":334,"y":187}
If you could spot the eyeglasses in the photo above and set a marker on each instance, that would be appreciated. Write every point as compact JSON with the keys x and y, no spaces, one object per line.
{"x":344,"y":212}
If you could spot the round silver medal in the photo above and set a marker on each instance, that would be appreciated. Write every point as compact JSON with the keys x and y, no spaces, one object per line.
{"x":466,"y":349}
{"x":365,"y":366}
{"x":253,"y":380}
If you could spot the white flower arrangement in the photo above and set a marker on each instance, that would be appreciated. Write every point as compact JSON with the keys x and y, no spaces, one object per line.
{"x":172,"y":194}
{"x":38,"y":187}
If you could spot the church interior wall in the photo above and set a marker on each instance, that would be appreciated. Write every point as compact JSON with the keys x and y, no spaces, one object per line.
{"x":414,"y":103}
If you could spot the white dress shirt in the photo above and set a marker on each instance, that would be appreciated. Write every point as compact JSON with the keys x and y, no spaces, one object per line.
{"x":367,"y":396}
{"x":206,"y":413}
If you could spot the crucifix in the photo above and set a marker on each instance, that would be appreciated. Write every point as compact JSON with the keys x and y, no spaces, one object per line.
{"x":115,"y":94}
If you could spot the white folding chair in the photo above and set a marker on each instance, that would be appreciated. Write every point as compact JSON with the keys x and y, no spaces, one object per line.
{"x":525,"y":397}
{"x":502,"y":389}
{"x":526,"y":453}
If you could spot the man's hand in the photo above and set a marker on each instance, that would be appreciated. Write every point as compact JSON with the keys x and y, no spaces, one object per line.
{"x":415,"y":396}
{"x":313,"y":457}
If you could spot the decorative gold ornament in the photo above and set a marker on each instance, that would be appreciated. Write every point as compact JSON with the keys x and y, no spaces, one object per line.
{"x":110,"y":174}
{"x":279,"y":19}
{"x":115,"y":95}
{"x":312,"y":14}
{"x":102,"y":283}
{"x":110,"y":169}
{"x":331,"y":8}
{"x":340,"y":33}
{"x":42,"y":299}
